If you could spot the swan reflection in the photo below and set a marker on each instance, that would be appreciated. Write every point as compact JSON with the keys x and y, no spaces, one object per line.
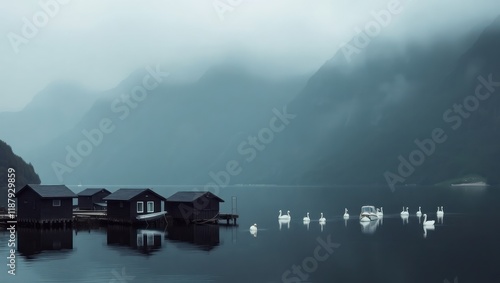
{"x":405,"y":218}
{"x":428,"y":227}
{"x":284,"y":221}
{"x":322,"y":225}
{"x":307,"y":224}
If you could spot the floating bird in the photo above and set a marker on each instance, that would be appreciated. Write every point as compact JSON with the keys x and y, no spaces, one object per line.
{"x":346,"y":215}
{"x":428,"y":223}
{"x":284,"y":217}
{"x":404,"y":212}
{"x":307,"y":219}
{"x":253,"y":230}
{"x":380,"y":212}
{"x":440,"y":212}
{"x":419,"y":212}
{"x":322,"y":219}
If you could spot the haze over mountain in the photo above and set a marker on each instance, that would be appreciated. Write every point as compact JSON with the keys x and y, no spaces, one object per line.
{"x":173,"y":134}
{"x":54,"y":110}
{"x":360,"y":117}
{"x":357,"y":120}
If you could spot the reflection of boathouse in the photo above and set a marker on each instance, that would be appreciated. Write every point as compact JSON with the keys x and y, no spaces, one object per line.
{"x":206,"y":237}
{"x":144,"y":241}
{"x":34,"y":241}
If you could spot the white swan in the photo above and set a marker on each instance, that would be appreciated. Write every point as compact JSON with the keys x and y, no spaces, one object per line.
{"x":404,"y":212}
{"x":253,"y":227}
{"x":284,"y":217}
{"x":419,"y":212}
{"x":440,"y":212}
{"x":346,"y":215}
{"x":253,"y":230}
{"x":428,"y":223}
{"x":307,"y":219}
{"x":380,"y":212}
{"x":322,"y":219}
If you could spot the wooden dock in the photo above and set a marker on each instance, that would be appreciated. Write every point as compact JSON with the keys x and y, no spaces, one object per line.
{"x":228,"y":217}
{"x":87,"y":216}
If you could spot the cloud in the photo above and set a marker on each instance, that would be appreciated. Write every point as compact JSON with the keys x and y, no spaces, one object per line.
{"x":98,"y":43}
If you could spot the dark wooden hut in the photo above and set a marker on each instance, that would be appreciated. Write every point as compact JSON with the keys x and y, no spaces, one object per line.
{"x":92,"y":199}
{"x":3,"y":200}
{"x":193,"y":206}
{"x":125,"y":205}
{"x":45,"y":204}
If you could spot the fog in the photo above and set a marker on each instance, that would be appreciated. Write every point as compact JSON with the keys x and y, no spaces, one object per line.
{"x":98,"y":43}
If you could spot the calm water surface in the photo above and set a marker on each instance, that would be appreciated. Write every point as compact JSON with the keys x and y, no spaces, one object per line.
{"x":464,"y":245}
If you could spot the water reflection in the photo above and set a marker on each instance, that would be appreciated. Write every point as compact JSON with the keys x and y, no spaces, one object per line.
{"x":428,"y":227}
{"x":282,"y":222}
{"x":306,"y":222}
{"x":35,"y":241}
{"x":405,"y":218}
{"x":369,"y":227}
{"x":322,"y":224}
{"x":440,"y":219}
{"x":145,"y":241}
{"x":204,"y":237}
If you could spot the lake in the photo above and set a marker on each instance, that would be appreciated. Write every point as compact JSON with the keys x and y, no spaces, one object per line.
{"x":462,"y":247}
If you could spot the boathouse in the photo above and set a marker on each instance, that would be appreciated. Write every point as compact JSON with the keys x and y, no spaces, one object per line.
{"x":41,"y":204}
{"x":3,"y":200}
{"x":92,"y":199}
{"x":194,"y":206}
{"x":125,"y":205}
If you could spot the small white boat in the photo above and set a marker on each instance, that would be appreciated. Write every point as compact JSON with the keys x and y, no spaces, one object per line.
{"x":368,"y":213}
{"x":151,"y":216}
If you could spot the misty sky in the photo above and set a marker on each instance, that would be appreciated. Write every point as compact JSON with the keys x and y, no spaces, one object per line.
{"x":97,"y":43}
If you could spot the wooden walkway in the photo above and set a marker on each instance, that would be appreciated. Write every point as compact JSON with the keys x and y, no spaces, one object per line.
{"x":228,"y":217}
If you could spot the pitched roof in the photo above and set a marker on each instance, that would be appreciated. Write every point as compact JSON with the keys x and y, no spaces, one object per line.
{"x":128,"y":194}
{"x":92,"y":191}
{"x":50,"y":191}
{"x":191,"y":196}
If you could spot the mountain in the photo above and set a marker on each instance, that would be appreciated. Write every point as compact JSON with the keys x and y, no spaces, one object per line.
{"x":54,"y":110}
{"x":173,"y":134}
{"x":24,"y":173}
{"x":389,"y":116}
{"x":357,"y":121}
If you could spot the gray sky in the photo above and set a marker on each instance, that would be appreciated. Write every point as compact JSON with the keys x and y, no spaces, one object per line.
{"x":99,"y":42}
